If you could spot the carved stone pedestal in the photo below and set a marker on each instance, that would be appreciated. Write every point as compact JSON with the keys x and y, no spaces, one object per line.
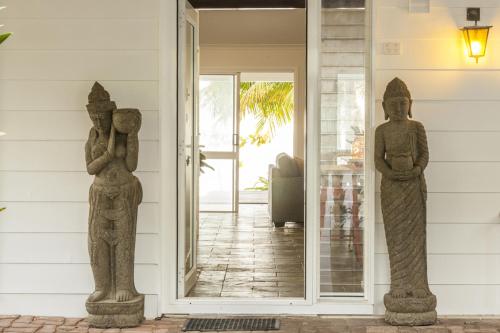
{"x":410,"y":311}
{"x":107,"y":314}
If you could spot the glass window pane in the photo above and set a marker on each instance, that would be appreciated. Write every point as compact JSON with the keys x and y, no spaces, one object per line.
{"x":342,"y":160}
{"x":217,"y":186}
{"x":217,"y":112}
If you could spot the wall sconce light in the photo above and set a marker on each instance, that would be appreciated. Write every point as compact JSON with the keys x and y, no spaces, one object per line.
{"x":476,"y":37}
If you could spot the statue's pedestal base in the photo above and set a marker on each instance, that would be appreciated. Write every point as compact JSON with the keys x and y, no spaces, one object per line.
{"x":410,"y":311}
{"x":410,"y":319}
{"x":107,"y":314}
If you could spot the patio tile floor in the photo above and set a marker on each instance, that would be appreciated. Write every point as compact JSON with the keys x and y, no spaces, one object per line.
{"x":289,"y":324}
{"x":243,"y":255}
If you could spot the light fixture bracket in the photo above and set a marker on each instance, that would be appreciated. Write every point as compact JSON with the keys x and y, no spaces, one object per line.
{"x":474,"y":14}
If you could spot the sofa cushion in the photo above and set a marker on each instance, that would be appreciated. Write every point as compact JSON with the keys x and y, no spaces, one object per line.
{"x":300,"y":164}
{"x":287,"y":165}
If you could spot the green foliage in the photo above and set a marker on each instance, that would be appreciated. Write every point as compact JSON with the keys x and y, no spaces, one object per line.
{"x":261,"y":185}
{"x":2,"y":209}
{"x":204,"y":164}
{"x":271,"y":103}
{"x":3,"y":37}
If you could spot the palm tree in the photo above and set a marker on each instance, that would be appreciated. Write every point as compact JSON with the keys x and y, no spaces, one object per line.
{"x":271,"y":103}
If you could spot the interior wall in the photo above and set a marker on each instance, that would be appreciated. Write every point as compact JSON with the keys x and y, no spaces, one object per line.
{"x":59,"y":48}
{"x":458,"y":102}
{"x":261,"y":41}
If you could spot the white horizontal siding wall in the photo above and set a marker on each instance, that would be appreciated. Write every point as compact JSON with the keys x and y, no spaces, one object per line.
{"x":458,"y":102}
{"x":47,"y":68}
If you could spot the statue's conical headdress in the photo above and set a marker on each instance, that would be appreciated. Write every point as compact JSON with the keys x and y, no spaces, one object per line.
{"x":98,"y":94}
{"x":99,"y":100}
{"x":397,"y":88}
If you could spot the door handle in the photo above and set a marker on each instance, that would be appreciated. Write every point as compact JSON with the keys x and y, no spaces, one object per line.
{"x":188,"y":160}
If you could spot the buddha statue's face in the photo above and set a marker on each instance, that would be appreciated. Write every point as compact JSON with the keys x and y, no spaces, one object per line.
{"x":397,"y":108}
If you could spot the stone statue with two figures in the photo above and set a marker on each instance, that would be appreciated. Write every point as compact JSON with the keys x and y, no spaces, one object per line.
{"x":401,"y":155}
{"x":111,"y":154}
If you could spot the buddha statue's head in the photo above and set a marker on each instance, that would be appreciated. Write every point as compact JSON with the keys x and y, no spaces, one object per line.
{"x":100,"y":108}
{"x":397,"y":101}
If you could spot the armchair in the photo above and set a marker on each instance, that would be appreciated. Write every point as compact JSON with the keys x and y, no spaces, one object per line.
{"x":286,"y":190}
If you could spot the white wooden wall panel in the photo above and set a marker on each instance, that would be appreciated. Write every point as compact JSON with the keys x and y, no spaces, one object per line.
{"x":443,"y":3}
{"x":458,"y":102}
{"x":53,"y":304}
{"x":462,"y":269}
{"x":64,"y":217}
{"x":464,"y":146}
{"x":45,"y":125}
{"x":450,"y":238}
{"x":338,"y":17}
{"x":455,"y":85}
{"x":88,"y":9}
{"x":456,"y":299}
{"x":65,"y":248}
{"x":47,"y":69}
{"x":440,"y":23}
{"x":33,"y":95}
{"x":438,"y":54}
{"x":68,"y":186}
{"x":62,"y":156}
{"x":121,"y":65}
{"x":88,"y":34}
{"x":66,"y":278}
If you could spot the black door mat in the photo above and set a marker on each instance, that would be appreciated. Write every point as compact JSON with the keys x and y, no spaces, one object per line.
{"x":233,"y":324}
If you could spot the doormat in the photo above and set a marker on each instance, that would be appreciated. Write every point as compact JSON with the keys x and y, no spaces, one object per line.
{"x":235,"y":324}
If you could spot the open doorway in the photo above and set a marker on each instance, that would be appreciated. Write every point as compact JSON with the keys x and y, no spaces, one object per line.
{"x":246,"y":237}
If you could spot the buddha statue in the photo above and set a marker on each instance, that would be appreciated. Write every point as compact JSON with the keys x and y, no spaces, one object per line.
{"x":401,"y":155}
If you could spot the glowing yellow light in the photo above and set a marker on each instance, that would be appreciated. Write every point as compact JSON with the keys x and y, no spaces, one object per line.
{"x":476,"y":48}
{"x":476,"y":38}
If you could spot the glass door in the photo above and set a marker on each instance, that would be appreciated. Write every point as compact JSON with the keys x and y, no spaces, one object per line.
{"x":219,"y":142}
{"x":189,"y":156}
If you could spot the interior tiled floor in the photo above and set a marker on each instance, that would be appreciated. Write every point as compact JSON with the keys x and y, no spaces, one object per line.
{"x":243,"y":255}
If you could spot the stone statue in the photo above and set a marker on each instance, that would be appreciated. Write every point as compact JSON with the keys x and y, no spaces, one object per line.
{"x":401,"y":155}
{"x":111,"y":154}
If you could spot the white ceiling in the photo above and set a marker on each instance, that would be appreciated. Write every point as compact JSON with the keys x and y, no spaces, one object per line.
{"x":222,"y":27}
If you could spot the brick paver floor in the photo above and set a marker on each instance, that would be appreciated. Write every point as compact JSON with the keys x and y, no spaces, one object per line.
{"x":296,"y":324}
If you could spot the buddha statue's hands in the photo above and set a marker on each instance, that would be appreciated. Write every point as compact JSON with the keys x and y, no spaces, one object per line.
{"x":407,"y":175}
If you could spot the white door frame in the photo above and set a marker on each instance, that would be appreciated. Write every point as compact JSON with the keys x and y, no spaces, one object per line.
{"x":312,"y":304}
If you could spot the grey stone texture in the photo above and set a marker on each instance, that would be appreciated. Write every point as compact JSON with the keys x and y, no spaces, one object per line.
{"x":111,"y":154}
{"x":401,"y":155}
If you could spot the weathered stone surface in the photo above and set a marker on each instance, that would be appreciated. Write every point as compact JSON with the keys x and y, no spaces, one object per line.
{"x":401,"y":155}
{"x":111,"y":154}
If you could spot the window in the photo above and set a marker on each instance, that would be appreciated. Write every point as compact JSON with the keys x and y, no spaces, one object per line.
{"x":342,"y":154}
